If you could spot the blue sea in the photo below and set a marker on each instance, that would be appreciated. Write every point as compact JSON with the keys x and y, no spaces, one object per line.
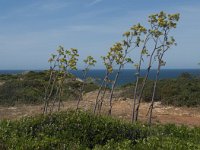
{"x":126,"y":76}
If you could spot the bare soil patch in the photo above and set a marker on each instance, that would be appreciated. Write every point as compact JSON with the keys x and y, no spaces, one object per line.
{"x":122,"y":108}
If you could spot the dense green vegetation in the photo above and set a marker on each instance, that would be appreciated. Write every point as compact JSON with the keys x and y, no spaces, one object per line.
{"x":29,"y":88}
{"x":182,"y":91}
{"x":82,"y":130}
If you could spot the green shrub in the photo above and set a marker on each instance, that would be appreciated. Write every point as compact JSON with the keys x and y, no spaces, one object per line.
{"x":62,"y":128}
{"x":112,"y":145}
{"x":29,"y":88}
{"x":82,"y":130}
{"x":21,"y":91}
{"x":182,"y":91}
{"x":165,"y":143}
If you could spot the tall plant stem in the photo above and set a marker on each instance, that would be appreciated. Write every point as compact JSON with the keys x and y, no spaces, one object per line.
{"x":112,"y":90}
{"x":55,"y":97}
{"x":135,"y":92}
{"x":46,"y":90}
{"x":144,"y":83}
{"x":160,"y":56}
{"x":81,"y":91}
{"x":137,"y":78}
{"x":153,"y":95}
{"x":61,"y":89}
{"x":99,"y":91}
{"x":121,"y":64}
{"x":49,"y":95}
{"x":102,"y":98}
{"x":59,"y":98}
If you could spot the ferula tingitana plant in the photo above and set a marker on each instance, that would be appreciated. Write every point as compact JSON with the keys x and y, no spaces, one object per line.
{"x":165,"y":23}
{"x":160,"y":25}
{"x":60,"y":64}
{"x":108,"y":62}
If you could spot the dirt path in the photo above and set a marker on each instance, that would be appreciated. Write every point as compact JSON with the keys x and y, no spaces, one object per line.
{"x":121,"y":109}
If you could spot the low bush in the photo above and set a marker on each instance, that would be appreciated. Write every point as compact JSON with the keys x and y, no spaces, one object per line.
{"x":66,"y":128}
{"x":82,"y":130}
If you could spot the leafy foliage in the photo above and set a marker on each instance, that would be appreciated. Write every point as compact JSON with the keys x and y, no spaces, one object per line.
{"x":82,"y":130}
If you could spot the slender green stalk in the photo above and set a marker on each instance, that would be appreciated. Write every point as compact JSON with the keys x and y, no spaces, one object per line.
{"x":138,"y":76}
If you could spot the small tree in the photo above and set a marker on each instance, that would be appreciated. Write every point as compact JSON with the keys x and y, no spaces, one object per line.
{"x":89,"y":62}
{"x":60,"y":64}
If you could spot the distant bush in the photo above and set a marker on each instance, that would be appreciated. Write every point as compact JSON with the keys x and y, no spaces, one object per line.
{"x":82,"y":130}
{"x":72,"y":89}
{"x":5,"y":77}
{"x":25,"y":91}
{"x":32,"y":75}
{"x":29,"y":88}
{"x":182,"y":91}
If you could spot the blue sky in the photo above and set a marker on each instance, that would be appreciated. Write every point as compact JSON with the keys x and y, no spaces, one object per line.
{"x":30,"y":30}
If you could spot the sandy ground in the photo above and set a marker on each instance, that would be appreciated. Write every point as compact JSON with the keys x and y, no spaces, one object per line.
{"x":121,"y":109}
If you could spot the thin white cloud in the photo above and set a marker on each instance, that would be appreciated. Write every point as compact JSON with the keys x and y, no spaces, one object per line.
{"x":35,"y":9}
{"x":53,"y":6}
{"x":94,"y":2}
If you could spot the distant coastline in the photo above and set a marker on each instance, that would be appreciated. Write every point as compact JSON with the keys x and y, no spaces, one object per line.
{"x":126,"y":75}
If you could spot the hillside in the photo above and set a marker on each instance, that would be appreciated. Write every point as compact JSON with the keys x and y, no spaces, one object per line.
{"x":29,"y":88}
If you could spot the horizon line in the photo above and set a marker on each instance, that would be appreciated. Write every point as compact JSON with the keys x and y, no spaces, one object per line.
{"x":100,"y":69}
